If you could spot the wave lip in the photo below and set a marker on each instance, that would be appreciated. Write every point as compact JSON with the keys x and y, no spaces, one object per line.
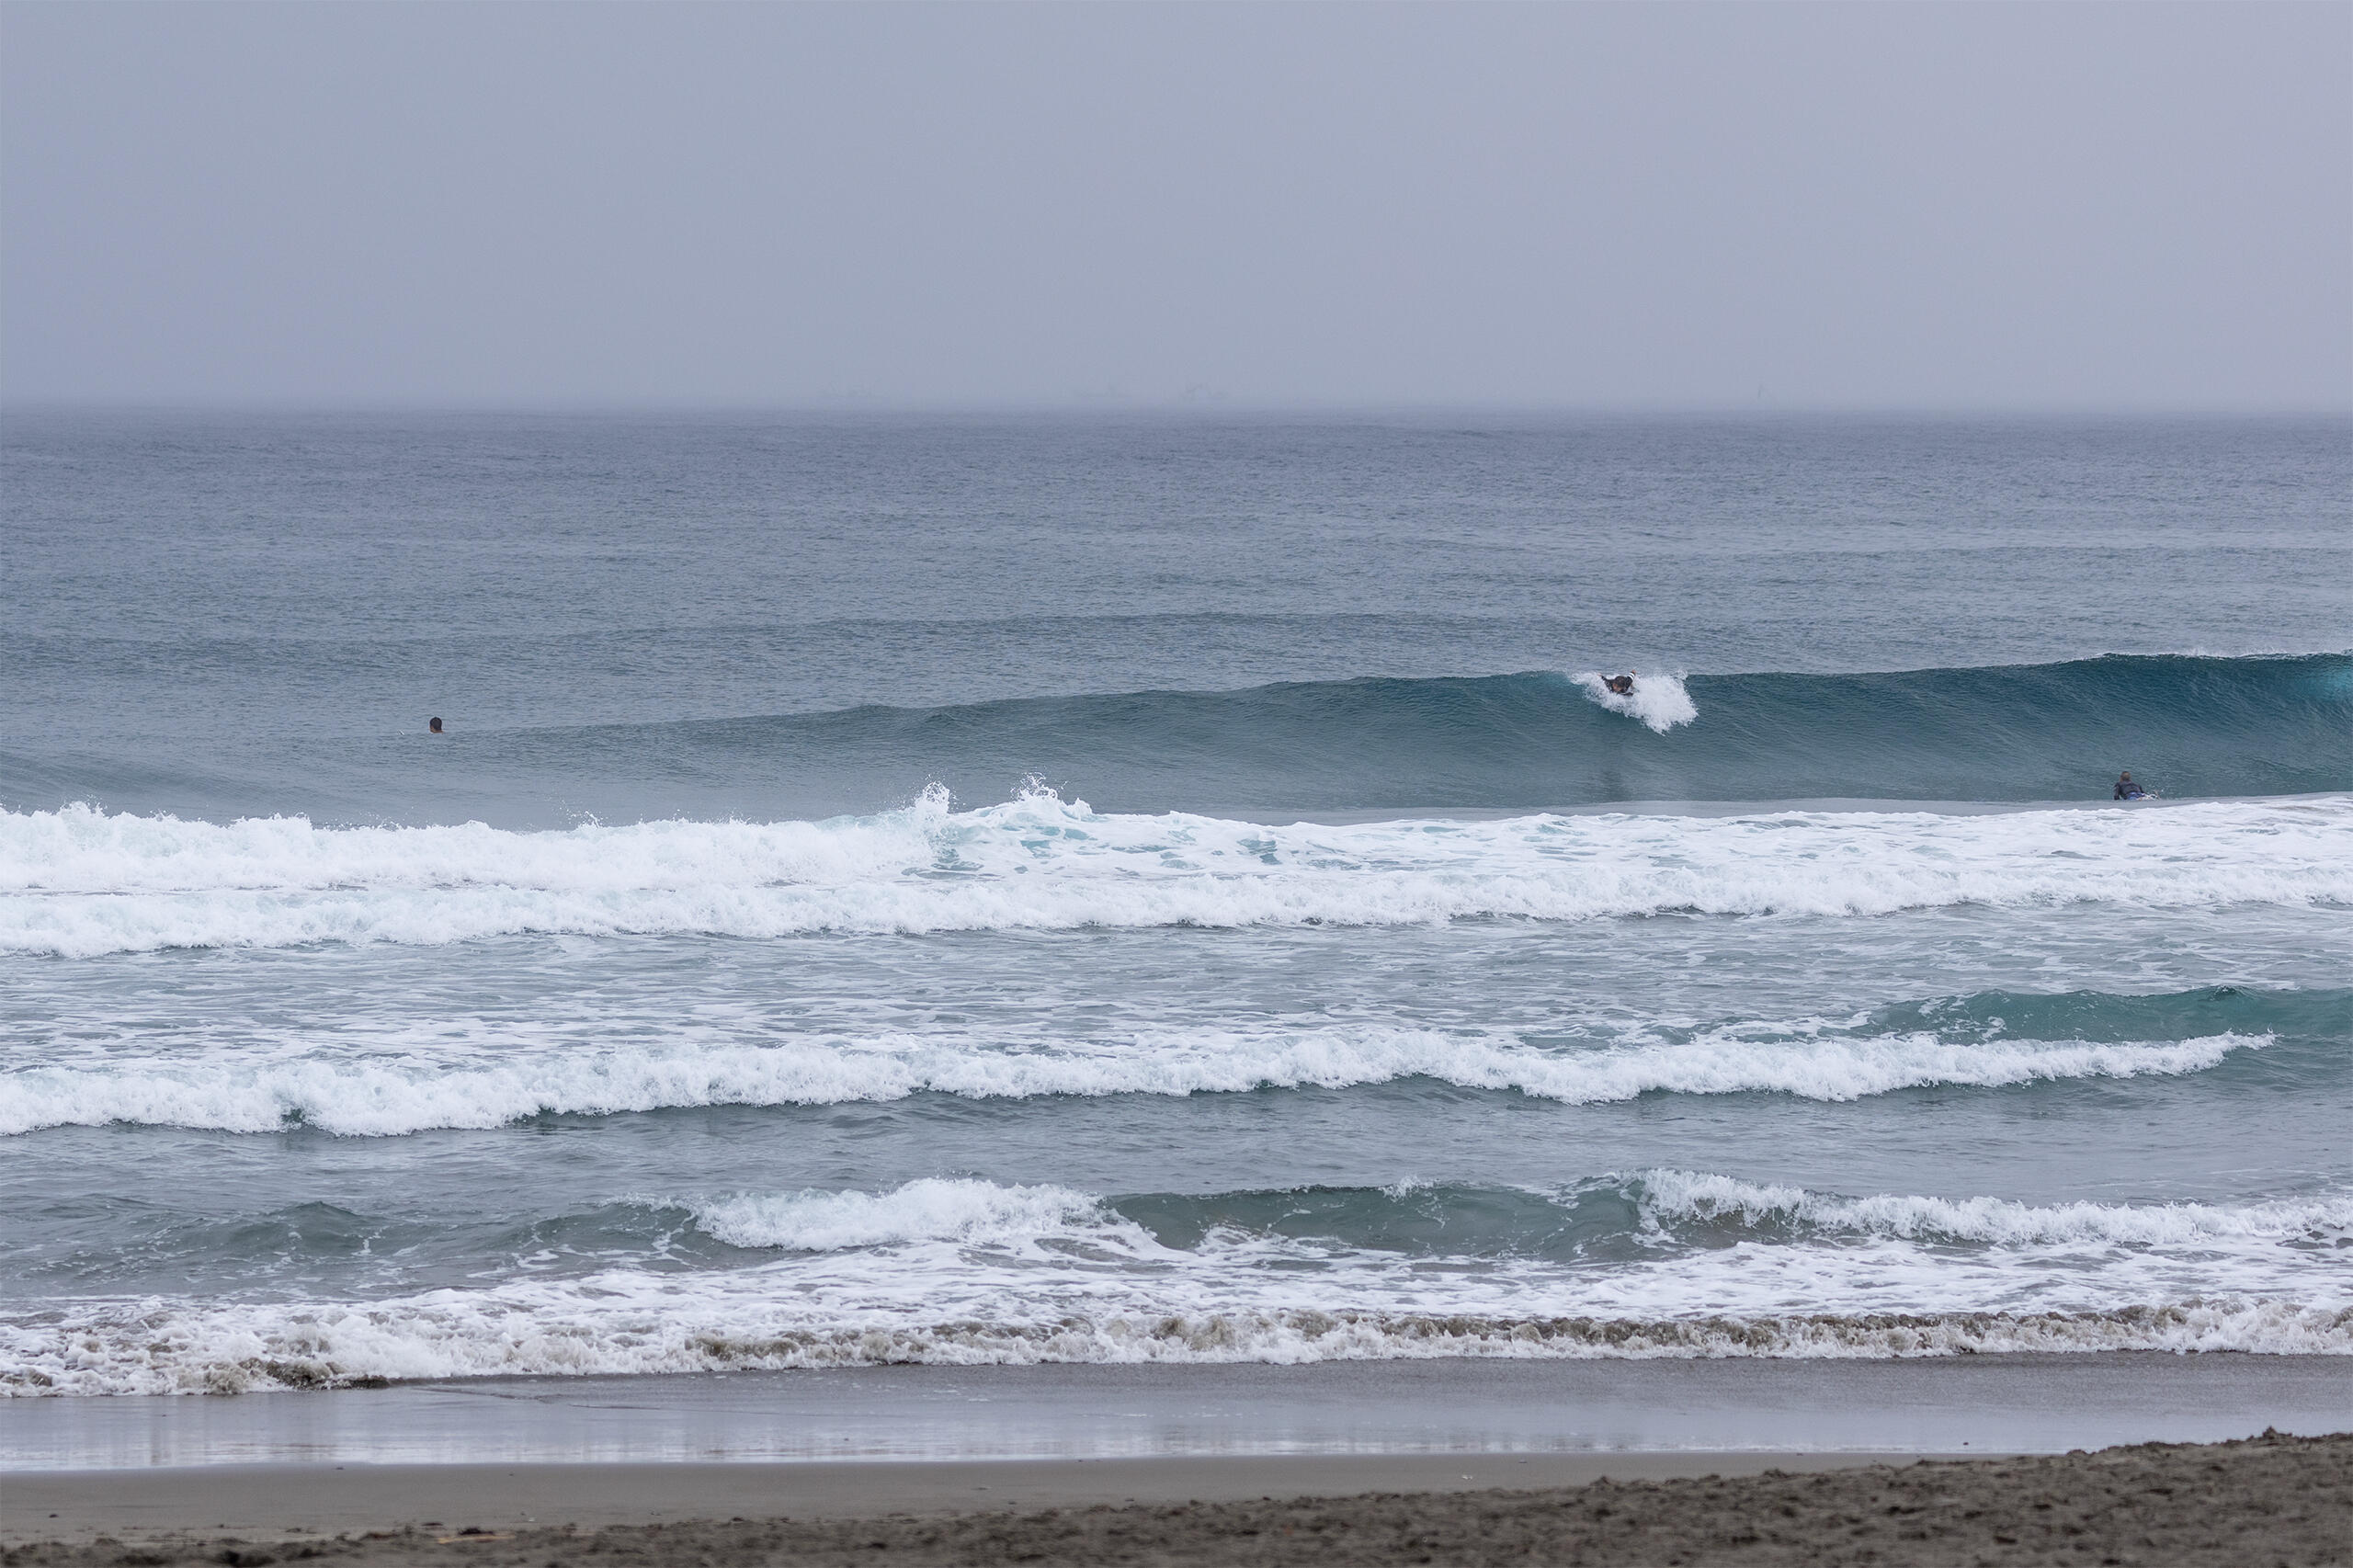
{"x":930,"y":1209}
{"x":1688,"y":1195}
{"x":79,"y":883}
{"x":967,"y":1272}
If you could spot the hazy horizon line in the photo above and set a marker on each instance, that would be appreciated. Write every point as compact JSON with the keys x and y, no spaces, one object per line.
{"x":1189,"y":407}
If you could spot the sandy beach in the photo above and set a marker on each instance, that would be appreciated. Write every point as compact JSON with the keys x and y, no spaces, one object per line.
{"x":2269,"y":1499}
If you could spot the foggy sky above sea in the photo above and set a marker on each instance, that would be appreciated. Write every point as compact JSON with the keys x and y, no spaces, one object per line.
{"x":2048,"y":207}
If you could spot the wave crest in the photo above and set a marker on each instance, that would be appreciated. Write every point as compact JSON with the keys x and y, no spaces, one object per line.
{"x":411,"y":1082}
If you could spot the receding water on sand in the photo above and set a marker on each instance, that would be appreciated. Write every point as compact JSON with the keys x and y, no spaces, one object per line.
{"x":1982,"y":1405}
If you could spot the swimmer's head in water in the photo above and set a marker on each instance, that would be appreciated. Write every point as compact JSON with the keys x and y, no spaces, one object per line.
{"x":434,"y":725}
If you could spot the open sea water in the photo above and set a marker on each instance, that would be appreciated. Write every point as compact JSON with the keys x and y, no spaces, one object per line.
{"x":905,"y":889}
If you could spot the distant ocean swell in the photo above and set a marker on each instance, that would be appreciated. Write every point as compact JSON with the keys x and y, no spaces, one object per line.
{"x":1659,"y":1263}
{"x":78,"y":882}
{"x":2189,"y":726}
{"x":411,"y":1080}
{"x":2185,"y":725}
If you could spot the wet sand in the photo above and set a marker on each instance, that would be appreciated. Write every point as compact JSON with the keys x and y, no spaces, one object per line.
{"x":282,"y":1501}
{"x":2269,"y":1500}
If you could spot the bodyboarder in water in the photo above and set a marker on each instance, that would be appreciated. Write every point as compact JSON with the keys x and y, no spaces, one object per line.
{"x":2128,"y":791}
{"x":1622,"y":686}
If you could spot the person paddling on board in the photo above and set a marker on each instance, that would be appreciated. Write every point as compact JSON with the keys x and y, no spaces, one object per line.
{"x":2128,"y":791}
{"x":1623,"y":685}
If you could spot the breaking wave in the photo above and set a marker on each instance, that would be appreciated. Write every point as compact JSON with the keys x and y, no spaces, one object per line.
{"x":1659,"y":701}
{"x":413,"y":1081}
{"x":79,"y":882}
{"x":1657,"y":1262}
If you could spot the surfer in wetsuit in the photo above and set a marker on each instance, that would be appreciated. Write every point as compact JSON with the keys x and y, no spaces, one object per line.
{"x":1623,"y":685}
{"x":2128,"y":791}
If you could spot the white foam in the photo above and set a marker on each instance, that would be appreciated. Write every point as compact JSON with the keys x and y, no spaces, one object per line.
{"x":1690,"y":1195}
{"x":79,"y":883}
{"x":963,"y":1272}
{"x":1658,"y":700}
{"x":407,"y":1081}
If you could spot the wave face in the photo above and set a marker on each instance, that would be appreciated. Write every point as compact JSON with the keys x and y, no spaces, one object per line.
{"x":80,"y":883}
{"x":2184,"y":725}
{"x":1653,"y":1263}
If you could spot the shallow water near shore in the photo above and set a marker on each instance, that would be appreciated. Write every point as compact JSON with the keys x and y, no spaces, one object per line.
{"x":1037,"y":892}
{"x":1073,"y":1412}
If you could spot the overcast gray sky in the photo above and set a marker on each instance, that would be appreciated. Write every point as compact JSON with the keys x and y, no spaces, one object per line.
{"x":1980,"y":205}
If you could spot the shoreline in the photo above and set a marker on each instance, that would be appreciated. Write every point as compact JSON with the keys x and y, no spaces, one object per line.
{"x":2017,"y":1403}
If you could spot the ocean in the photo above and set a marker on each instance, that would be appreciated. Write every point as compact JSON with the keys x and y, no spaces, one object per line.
{"x":1171,"y":889}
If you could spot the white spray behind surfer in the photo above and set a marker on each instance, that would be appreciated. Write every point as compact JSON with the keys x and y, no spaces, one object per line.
{"x":1657,"y":699}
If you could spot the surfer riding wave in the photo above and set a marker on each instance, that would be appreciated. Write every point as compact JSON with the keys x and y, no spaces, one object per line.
{"x":1659,"y":701}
